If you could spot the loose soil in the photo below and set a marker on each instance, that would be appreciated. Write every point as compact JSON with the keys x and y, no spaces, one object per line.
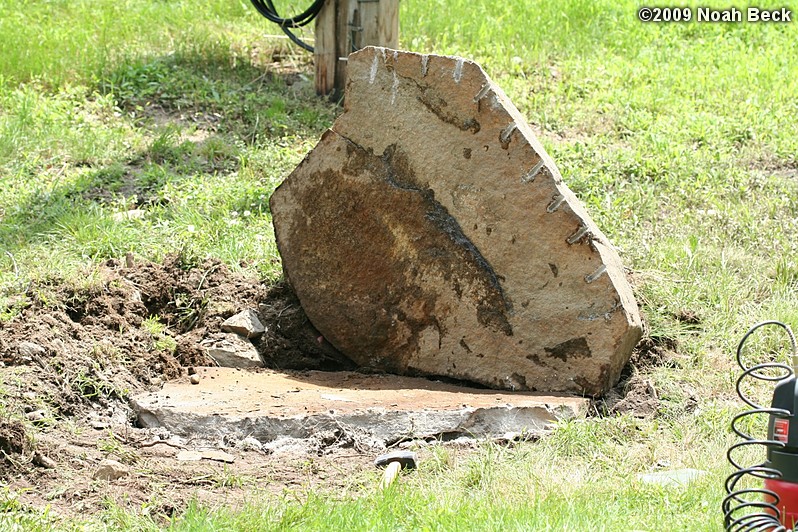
{"x":71,"y":356}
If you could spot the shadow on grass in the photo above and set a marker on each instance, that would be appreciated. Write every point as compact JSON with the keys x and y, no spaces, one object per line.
{"x":219,"y":92}
{"x":203,"y":111}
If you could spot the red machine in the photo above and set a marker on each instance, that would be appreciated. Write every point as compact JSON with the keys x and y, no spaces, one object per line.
{"x":774,"y":506}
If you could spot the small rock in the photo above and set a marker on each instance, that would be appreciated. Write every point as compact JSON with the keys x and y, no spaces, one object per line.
{"x":191,"y":370}
{"x":509,"y":437}
{"x":219,"y":456}
{"x":463,"y":441}
{"x":99,"y":425}
{"x":36,"y":416}
{"x":110,"y":470}
{"x":245,"y":323}
{"x":232,"y":351}
{"x":43,"y":461}
{"x":195,"y":379}
{"x":250,"y":444}
{"x":30,"y":349}
{"x":189,"y":456}
{"x":29,"y":396}
{"x":156,"y":381}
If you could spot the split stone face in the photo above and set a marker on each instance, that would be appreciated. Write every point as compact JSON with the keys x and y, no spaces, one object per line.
{"x":428,"y":233}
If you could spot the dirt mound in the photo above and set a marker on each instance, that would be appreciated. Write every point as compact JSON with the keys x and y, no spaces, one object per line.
{"x":291,"y":341}
{"x":70,"y":356}
{"x":14,"y":439}
{"x":636,"y":393}
{"x":142,"y":323}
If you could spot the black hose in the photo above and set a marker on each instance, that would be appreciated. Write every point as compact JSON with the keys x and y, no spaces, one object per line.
{"x":267,"y":9}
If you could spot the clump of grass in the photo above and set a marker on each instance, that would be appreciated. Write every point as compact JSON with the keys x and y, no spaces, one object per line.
{"x":111,"y":446}
{"x":161,"y":340}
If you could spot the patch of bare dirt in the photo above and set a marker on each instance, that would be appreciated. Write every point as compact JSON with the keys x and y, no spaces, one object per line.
{"x":13,"y":437}
{"x":292,"y":342}
{"x":640,"y":398}
{"x":636,"y":393}
{"x":71,"y":356}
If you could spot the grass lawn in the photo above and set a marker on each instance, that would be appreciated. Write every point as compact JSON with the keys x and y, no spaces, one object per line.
{"x":681,"y":139}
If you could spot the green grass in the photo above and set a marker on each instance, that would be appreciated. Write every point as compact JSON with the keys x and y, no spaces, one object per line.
{"x":200,"y":139}
{"x":680,"y":138}
{"x":558,"y":484}
{"x":527,"y":507}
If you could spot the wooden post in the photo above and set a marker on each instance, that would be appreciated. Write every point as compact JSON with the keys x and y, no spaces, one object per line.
{"x":324,"y":48}
{"x":346,"y":25}
{"x":379,"y":20}
{"x":387,"y":24}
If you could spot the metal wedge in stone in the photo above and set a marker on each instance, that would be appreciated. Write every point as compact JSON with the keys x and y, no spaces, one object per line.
{"x":429,"y":233}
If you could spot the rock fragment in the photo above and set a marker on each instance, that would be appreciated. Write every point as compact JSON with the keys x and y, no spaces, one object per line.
{"x":218,"y":456}
{"x":111,"y":470}
{"x":30,"y":350}
{"x":36,"y":416}
{"x":44,"y":461}
{"x":245,"y":323}
{"x":429,"y":233}
{"x":232,"y":351}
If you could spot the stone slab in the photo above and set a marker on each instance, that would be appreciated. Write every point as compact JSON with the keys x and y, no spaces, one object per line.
{"x":268,"y":405}
{"x":429,"y":233}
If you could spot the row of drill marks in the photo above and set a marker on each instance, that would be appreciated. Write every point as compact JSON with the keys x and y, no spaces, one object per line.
{"x":457,"y":73}
{"x":504,"y":138}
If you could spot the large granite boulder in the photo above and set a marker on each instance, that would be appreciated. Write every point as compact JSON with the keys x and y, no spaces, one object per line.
{"x":429,"y":233}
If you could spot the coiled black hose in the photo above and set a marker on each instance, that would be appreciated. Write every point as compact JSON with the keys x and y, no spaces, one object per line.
{"x":763,"y":501}
{"x":267,"y":9}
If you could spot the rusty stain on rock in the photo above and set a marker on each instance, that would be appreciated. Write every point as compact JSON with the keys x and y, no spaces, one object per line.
{"x":426,"y":210}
